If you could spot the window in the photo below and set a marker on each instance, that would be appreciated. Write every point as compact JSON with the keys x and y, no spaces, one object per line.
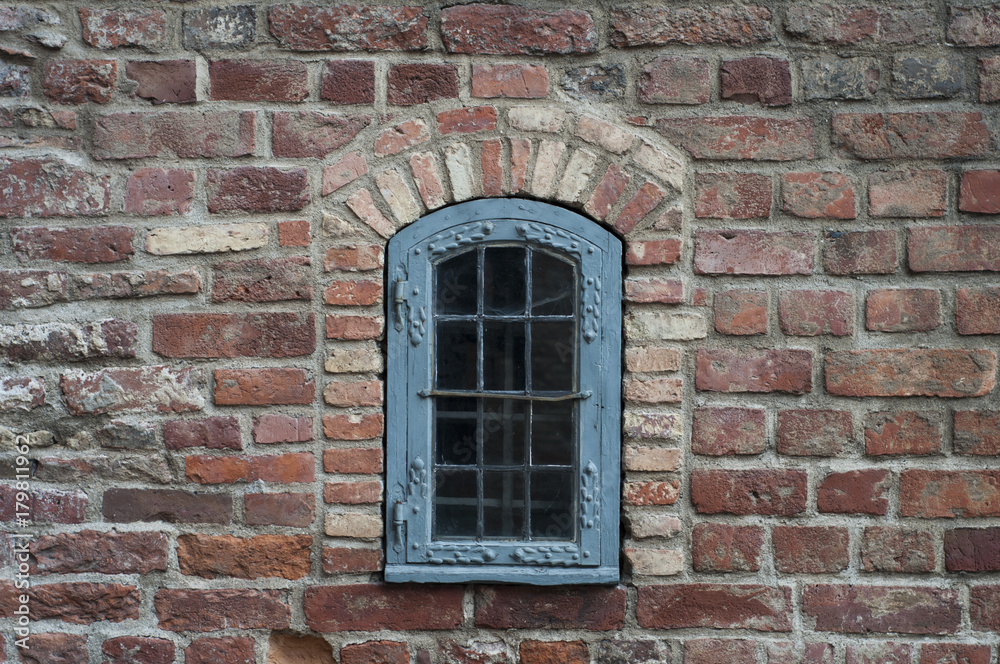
{"x":504,"y":397}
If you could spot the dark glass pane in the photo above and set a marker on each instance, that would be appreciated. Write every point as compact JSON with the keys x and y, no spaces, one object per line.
{"x":504,"y":280}
{"x":552,"y":512}
{"x":503,"y":431}
{"x":503,"y":504}
{"x":553,"y":356}
{"x":456,"y":508}
{"x":552,"y":433}
{"x":457,"y":284}
{"x":455,"y":432}
{"x":456,"y":355}
{"x":552,"y":285}
{"x":503,"y":347}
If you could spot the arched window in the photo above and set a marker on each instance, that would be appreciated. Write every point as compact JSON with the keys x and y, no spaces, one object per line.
{"x":504,"y":397}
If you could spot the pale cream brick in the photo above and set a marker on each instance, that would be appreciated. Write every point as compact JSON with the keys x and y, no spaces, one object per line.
{"x":577,"y":176}
{"x":206,"y":239}
{"x":643,"y":524}
{"x":665,"y":426}
{"x":652,"y":459}
{"x":663,"y":165}
{"x":655,"y":562}
{"x":354,"y":525}
{"x":544,"y":178}
{"x":645,"y":358}
{"x":656,"y":390}
{"x":601,"y":133}
{"x":363,"y":205}
{"x":458,"y":161}
{"x":531,"y":118}
{"x":670,"y":326}
{"x":363,"y":359}
{"x":396,"y":193}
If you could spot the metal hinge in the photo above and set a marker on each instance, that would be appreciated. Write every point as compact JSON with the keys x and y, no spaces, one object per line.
{"x":399,"y":297}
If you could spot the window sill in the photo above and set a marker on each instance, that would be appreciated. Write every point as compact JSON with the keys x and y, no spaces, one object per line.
{"x":521,"y":575}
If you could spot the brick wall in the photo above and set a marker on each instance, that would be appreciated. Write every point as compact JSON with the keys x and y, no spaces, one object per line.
{"x":195,"y":201}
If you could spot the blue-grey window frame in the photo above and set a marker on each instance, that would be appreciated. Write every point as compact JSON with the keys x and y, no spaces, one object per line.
{"x":411,"y":554}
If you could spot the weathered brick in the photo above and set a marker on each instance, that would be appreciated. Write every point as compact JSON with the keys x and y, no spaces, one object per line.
{"x":941,"y":653}
{"x":817,"y":195}
{"x":655,"y":290}
{"x":47,"y":187}
{"x":142,"y":389}
{"x":651,"y":493}
{"x":354,"y":359}
{"x":919,"y":135}
{"x":676,"y":80}
{"x":313,"y":134}
{"x":949,"y":494}
{"x":836,"y":77}
{"x":652,"y":459}
{"x":491,"y":161}
{"x":349,"y":28}
{"x":131,"y":505}
{"x":45,"y":505}
{"x":667,"y":426}
{"x":954,"y":248}
{"x":510,"y":30}
{"x":294,"y":233}
{"x":984,"y":604}
{"x":206,"y":239}
{"x":262,"y":280}
{"x":88,"y":244}
{"x":735,"y":25}
{"x":903,"y":310}
{"x":980,"y":192}
{"x":510,"y":80}
{"x":366,"y":460}
{"x":353,"y":525}
{"x":724,"y":431}
{"x":807,"y":432}
{"x":907,"y":194}
{"x":861,"y":24}
{"x":977,"y":432}
{"x":21,"y":393}
{"x":989,"y":79}
{"x":354,"y":328}
{"x":130,"y":649}
{"x":855,"y":492}
{"x":80,"y":81}
{"x":219,"y":433}
{"x":354,"y":258}
{"x":15,"y":81}
{"x":910,"y":372}
{"x":294,"y":510}
{"x":883,"y":609}
{"x":258,"y":80}
{"x":120,"y":285}
{"x":888,"y":652}
{"x":549,"y":652}
{"x":753,"y":252}
{"x":225,"y":650}
{"x":721,"y":547}
{"x":353,"y":393}
{"x":653,"y":252}
{"x":772,"y":492}
{"x":351,"y":560}
{"x":904,"y":432}
{"x":285,"y":556}
{"x":220,"y":27}
{"x":280,"y":428}
{"x":49,"y":648}
{"x":972,"y":550}
{"x":352,"y":427}
{"x":159,"y":191}
{"x":644,"y":524}
{"x":810,"y":313}
{"x":189,"y":610}
{"x":234,"y":335}
{"x":110,"y":28}
{"x":711,"y":651}
{"x":383,"y":652}
{"x":352,"y":493}
{"x":741,"y":137}
{"x":754,"y":80}
{"x":919,"y":77}
{"x":100,"y":552}
{"x":810,"y":549}
{"x":263,"y":387}
{"x":716,"y":606}
{"x":732,"y":195}
{"x":74,"y":603}
{"x":68,"y":342}
{"x":411,"y":84}
{"x":164,"y":81}
{"x":183,"y":134}
{"x":895,"y":549}
{"x":731,"y":370}
{"x":741,"y":312}
{"x":348,"y":82}
{"x":640,"y":325}
{"x":527,"y":607}
{"x":860,"y":252}
{"x":974,"y":26}
{"x":257,"y":189}
{"x":374,"y":606}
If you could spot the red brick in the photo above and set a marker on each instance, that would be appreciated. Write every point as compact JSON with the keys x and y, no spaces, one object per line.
{"x":80,"y":81}
{"x":49,"y":648}
{"x":758,"y":491}
{"x":280,"y":428}
{"x":263,"y":387}
{"x":977,"y":432}
{"x":508,"y":30}
{"x":262,"y":280}
{"x":491,"y":160}
{"x":294,"y":233}
{"x":908,"y":194}
{"x":732,"y":195}
{"x":225,"y":650}
{"x":141,"y":389}
{"x":861,"y":24}
{"x":138,"y":650}
{"x":949,"y":493}
{"x":860,"y":252}
{"x":655,"y":390}
{"x":741,"y":312}
{"x":48,"y":187}
{"x":257,"y":189}
{"x":721,"y":547}
{"x":394,"y":140}
{"x":280,"y":468}
{"x":375,"y":652}
{"x":187,"y":610}
{"x":411,"y":84}
{"x":882,"y":609}
{"x":810,"y":550}
{"x":352,"y":493}
{"x":353,"y":328}
{"x":131,"y":505}
{"x":972,"y":550}
{"x":905,"y":432}
{"x":367,"y":460}
{"x":884,"y":652}
{"x":159,"y":191}
{"x":101,"y":553}
{"x":855,"y":492}
{"x":313,"y":134}
{"x":735,"y":25}
{"x":109,"y":29}
{"x":353,"y":393}
{"x":814,"y":432}
{"x":349,"y":28}
{"x":741,"y":137}
{"x":351,"y":561}
{"x":817,"y":195}
{"x":513,"y":81}
{"x":713,"y":651}
{"x":655,"y":290}
{"x":978,"y":311}
{"x":954,"y":248}
{"x":284,"y":556}
{"x":980,"y":192}
{"x":724,"y":431}
{"x":354,"y":258}
{"x":756,"y":80}
{"x":294,"y":510}
{"x":647,"y":197}
{"x":554,"y":652}
{"x":467,"y":120}
{"x":607,"y":192}
{"x":184,"y":134}
{"x":984,"y":613}
{"x":974,"y":26}
{"x":75,"y":603}
{"x":538,"y":607}
{"x":368,"y":607}
{"x":234,"y":335}
{"x":348,"y":82}
{"x":716,"y":606}
{"x":88,"y":244}
{"x":941,"y":135}
{"x":164,"y":81}
{"x":352,"y":427}
{"x":217,"y":433}
{"x":943,"y":653}
{"x":900,"y":550}
{"x":989,"y":79}
{"x":731,"y":370}
{"x":911,"y":372}
{"x":903,"y":310}
{"x":676,"y":80}
{"x":808,"y":313}
{"x":753,"y":252}
{"x":651,"y":493}
{"x":653,"y":252}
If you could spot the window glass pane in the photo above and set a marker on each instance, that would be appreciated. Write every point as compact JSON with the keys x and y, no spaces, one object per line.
{"x":552,"y":285}
{"x":552,"y":438}
{"x":553,"y":356}
{"x":455,"y":432}
{"x":503,"y":504}
{"x":503,"y":346}
{"x":551,"y":504}
{"x":456,"y":355}
{"x":503,"y":431}
{"x":457,"y":284}
{"x":504,"y":280}
{"x":456,"y":509}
